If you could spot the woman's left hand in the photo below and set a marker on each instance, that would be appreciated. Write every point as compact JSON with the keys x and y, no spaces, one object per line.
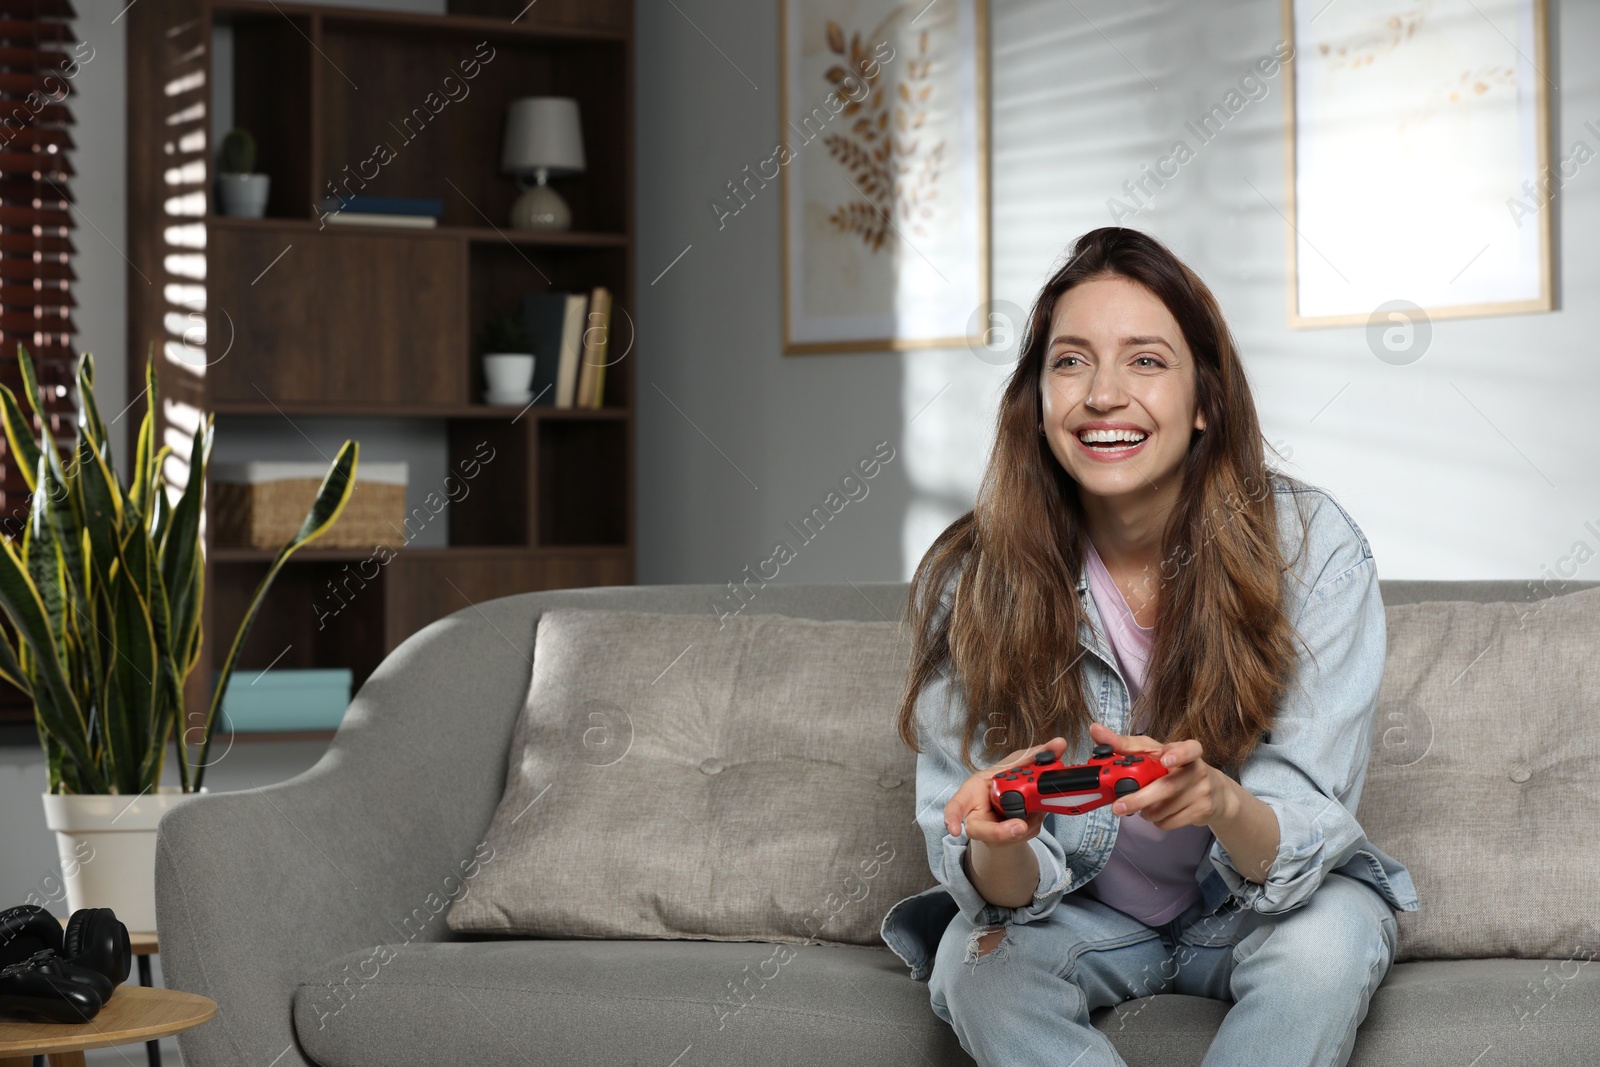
{"x":1189,"y":794}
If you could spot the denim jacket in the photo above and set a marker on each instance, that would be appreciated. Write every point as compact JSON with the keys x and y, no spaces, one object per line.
{"x":1309,"y":768}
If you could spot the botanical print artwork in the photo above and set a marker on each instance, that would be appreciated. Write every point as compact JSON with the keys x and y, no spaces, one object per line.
{"x":889,"y":160}
{"x":1419,"y":142}
{"x":885,"y":173}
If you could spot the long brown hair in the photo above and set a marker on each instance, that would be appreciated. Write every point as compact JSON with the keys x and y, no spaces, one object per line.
{"x":1222,"y":653}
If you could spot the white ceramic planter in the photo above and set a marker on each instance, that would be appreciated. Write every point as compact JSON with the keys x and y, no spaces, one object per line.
{"x":243,"y":196}
{"x":107,"y":844}
{"x":509,"y":375}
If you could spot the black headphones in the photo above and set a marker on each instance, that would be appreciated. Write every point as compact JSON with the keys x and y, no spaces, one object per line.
{"x":94,"y":939}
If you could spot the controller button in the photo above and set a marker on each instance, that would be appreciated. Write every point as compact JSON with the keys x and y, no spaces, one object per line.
{"x":1044,"y":757}
{"x":711,"y":765}
{"x":1102,"y":751}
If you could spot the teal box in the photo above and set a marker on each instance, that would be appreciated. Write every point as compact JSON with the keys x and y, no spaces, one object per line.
{"x":274,"y":701}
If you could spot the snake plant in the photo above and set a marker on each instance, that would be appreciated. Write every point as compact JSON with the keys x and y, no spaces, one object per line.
{"x":104,"y":594}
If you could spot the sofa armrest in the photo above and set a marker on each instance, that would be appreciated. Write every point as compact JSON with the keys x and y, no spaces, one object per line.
{"x":255,"y":888}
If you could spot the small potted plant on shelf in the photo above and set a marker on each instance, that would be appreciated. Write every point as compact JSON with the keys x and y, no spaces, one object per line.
{"x":242,"y":192}
{"x":507,"y":361}
{"x":104,"y":593}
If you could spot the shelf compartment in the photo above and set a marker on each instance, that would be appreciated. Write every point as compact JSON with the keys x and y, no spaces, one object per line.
{"x":326,"y":612}
{"x":272,"y":59}
{"x":329,"y":322}
{"x":583,"y":490}
{"x":428,"y":120}
{"x":501,"y":275}
{"x":495,"y":510}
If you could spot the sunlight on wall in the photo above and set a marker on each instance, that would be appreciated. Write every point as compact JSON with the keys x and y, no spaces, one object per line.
{"x":948,"y":400}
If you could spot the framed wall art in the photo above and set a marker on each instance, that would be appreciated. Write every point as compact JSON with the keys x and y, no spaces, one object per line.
{"x":884,"y":157}
{"x":1418,"y":158}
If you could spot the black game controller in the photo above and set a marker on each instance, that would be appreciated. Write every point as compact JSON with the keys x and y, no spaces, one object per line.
{"x":45,"y":988}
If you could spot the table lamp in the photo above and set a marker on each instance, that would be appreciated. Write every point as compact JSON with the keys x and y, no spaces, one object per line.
{"x":543,"y":138}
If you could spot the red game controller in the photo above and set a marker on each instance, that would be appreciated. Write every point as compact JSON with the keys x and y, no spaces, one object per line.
{"x":1046,"y":785}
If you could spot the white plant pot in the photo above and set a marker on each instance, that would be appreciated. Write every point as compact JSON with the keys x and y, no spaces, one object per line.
{"x":508,"y":374}
{"x":107,"y":844}
{"x":243,"y":196}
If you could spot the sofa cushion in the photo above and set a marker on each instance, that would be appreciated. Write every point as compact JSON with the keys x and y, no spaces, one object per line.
{"x":1483,"y":775}
{"x":522,"y":1002}
{"x":681,"y":776}
{"x":731,"y":1005}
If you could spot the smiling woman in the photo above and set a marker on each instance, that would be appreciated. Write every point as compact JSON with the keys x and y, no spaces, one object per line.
{"x":1134,"y":578}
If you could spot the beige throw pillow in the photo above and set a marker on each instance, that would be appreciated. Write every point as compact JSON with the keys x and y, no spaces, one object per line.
{"x":673,"y":778}
{"x":1483,"y":779}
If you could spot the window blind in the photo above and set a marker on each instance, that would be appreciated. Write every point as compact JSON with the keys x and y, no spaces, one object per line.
{"x":38,"y":62}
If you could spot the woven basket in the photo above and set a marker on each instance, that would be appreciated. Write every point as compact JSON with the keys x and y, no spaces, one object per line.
{"x":267,"y":514}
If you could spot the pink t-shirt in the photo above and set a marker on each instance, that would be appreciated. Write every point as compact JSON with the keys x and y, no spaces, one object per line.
{"x":1150,"y":874}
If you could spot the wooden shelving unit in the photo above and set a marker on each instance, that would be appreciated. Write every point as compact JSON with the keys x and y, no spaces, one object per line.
{"x":308,"y":319}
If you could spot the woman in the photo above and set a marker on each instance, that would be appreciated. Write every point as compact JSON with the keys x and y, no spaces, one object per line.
{"x":1133,"y":575}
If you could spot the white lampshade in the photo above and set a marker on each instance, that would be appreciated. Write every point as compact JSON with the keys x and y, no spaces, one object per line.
{"x":542,"y":133}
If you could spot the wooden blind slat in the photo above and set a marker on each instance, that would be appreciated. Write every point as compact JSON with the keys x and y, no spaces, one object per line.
{"x":54,"y":320}
{"x":37,"y":135}
{"x":16,"y":30}
{"x":52,"y":165}
{"x":49,"y":215}
{"x":49,"y":244}
{"x":45,"y":60}
{"x":38,"y":10}
{"x":16,"y":269}
{"x":50,"y":297}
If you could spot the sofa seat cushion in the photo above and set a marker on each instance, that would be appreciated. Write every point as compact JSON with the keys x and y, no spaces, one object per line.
{"x":1482,"y":777}
{"x":1444,"y":1013}
{"x":689,"y":776}
{"x":521,"y":1002}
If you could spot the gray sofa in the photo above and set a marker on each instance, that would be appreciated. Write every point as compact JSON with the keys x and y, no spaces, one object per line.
{"x":264,"y":895}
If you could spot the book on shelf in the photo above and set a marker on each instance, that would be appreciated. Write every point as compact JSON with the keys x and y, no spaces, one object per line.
{"x":384,"y":205}
{"x":597,"y":325}
{"x":571,"y":347}
{"x":415,"y":222}
{"x":543,"y":318}
{"x":567,"y":332}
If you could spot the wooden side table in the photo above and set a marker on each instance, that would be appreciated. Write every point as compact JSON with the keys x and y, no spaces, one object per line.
{"x":134,"y":1013}
{"x":143,"y":946}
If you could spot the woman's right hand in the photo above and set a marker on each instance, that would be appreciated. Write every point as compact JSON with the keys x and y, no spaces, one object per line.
{"x":971,"y":803}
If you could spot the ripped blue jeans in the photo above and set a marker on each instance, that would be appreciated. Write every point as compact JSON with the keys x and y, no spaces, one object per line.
{"x":1299,"y":981}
